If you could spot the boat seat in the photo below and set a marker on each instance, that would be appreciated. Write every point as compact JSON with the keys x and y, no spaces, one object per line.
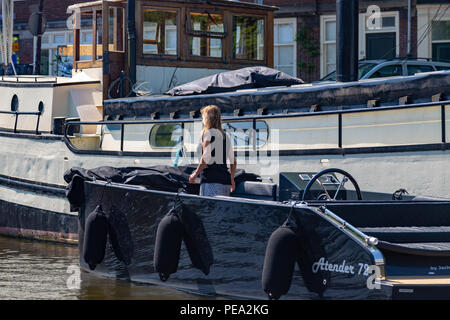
{"x":417,"y":241}
{"x":409,"y":234}
{"x":422,"y":198}
{"x":256,"y":190}
{"x":428,"y":249}
{"x":365,"y":214}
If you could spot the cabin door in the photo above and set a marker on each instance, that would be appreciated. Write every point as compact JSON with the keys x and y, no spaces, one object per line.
{"x":114,"y":48}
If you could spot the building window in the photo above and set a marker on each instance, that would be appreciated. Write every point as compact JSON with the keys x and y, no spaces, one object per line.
{"x":86,"y":37}
{"x":45,"y":62}
{"x":382,"y":42}
{"x":52,"y":62}
{"x":328,"y":40}
{"x":441,"y":40}
{"x":160,"y":32}
{"x":374,"y":43}
{"x":59,"y":38}
{"x":285,"y":48}
{"x":248,"y":38}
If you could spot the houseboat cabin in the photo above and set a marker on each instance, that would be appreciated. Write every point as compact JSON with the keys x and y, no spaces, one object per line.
{"x":176,"y":41}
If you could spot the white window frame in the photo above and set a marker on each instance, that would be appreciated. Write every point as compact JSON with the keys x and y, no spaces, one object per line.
{"x":292,"y":21}
{"x":323,"y":43}
{"x":362,"y":35}
{"x":425,"y":15}
{"x":444,"y":18}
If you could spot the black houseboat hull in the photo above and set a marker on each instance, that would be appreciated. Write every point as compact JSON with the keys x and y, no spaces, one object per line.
{"x":238,"y":231}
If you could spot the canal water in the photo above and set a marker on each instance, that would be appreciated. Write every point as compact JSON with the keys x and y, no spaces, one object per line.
{"x":31,"y":270}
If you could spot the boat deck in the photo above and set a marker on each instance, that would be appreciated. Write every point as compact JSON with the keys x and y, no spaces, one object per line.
{"x":419,"y":288}
{"x":439,"y":280}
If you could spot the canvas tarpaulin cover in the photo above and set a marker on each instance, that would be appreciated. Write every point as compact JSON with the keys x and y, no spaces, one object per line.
{"x":246,"y":78}
{"x":163,"y":178}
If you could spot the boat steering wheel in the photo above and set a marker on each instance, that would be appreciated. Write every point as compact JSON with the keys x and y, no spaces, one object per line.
{"x":326,"y":195}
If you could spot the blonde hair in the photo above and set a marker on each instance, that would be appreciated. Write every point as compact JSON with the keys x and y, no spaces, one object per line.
{"x":212,"y":118}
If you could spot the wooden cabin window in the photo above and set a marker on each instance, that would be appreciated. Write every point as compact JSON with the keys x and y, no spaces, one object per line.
{"x":86,"y":36}
{"x":116,"y":34}
{"x":248,"y":38}
{"x":205,"y":47}
{"x":206,"y":24}
{"x":89,"y":39}
{"x":207,"y":32}
{"x":204,"y":35}
{"x":159,"y":32}
{"x":98,"y":36}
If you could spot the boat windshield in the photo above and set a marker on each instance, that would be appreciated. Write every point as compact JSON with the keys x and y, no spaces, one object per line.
{"x":363,"y":68}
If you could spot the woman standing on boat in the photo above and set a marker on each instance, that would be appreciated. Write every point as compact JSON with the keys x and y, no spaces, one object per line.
{"x":217,"y":148}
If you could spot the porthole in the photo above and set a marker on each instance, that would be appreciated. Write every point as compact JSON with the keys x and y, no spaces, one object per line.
{"x":14,"y":103}
{"x":41,"y":107}
{"x":165,"y":135}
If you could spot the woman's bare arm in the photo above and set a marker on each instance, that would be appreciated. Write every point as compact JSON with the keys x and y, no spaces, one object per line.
{"x":233,"y":162}
{"x":233,"y":167}
{"x":202,"y":163}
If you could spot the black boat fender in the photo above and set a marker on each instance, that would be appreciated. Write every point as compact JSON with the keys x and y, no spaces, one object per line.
{"x":181,"y":224}
{"x":95,"y":236}
{"x":167,"y":246}
{"x":279,"y":261}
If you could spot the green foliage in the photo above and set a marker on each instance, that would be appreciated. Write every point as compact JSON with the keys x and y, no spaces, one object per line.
{"x":248,"y":36}
{"x":160,"y":17}
{"x":310,"y":47}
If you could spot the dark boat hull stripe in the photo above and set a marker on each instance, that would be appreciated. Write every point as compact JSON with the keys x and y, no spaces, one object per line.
{"x":33,"y":186}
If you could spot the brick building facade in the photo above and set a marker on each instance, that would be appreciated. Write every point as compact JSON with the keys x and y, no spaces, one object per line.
{"x":304,"y":32}
{"x":315,"y":25}
{"x":56,"y":33}
{"x":314,"y":22}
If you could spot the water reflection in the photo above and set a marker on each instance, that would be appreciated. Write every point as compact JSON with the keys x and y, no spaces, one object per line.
{"x":37,"y":270}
